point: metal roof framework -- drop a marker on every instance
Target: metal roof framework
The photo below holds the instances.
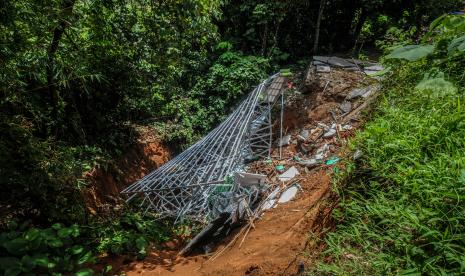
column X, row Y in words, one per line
column 187, row 185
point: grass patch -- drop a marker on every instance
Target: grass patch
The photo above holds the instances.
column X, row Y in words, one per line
column 402, row 206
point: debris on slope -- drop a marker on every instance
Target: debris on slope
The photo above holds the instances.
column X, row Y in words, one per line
column 319, row 116
column 313, row 141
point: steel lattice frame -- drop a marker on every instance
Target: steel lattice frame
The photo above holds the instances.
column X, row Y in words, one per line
column 183, row 186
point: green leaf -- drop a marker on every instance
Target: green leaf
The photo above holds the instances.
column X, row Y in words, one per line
column 85, row 272
column 41, row 260
column 28, row 263
column 457, row 44
column 85, row 258
column 12, row 225
column 57, row 226
column 54, row 242
column 32, row 234
column 411, row 52
column 141, row 244
column 65, row 232
column 17, row 246
column 8, row 262
column 75, row 250
column 13, row 271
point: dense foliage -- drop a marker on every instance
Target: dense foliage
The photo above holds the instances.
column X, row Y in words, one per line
column 402, row 208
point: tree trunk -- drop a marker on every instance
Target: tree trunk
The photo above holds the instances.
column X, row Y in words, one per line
column 358, row 28
column 66, row 11
column 318, row 23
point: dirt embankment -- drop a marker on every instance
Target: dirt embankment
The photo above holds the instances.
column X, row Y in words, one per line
column 283, row 239
column 106, row 183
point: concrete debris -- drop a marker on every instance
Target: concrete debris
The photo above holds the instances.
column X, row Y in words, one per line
column 304, row 134
column 323, row 126
column 322, row 152
column 323, row 69
column 316, row 62
column 285, row 141
column 356, row 93
column 248, row 179
column 269, row 204
column 335, row 61
column 289, row 174
column 271, row 199
column 330, row 133
column 347, row 127
column 374, row 68
column 310, row 163
column 346, row 106
column 289, row 193
column 364, row 92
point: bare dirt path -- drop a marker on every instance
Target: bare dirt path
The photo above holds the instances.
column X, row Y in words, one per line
column 274, row 247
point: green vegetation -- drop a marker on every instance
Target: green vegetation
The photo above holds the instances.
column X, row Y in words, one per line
column 78, row 76
column 401, row 209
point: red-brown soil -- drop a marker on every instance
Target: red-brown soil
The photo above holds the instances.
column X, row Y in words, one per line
column 105, row 184
column 284, row 237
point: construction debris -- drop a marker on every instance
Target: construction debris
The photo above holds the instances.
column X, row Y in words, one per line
column 289, row 193
column 285, row 141
column 234, row 174
column 289, row 174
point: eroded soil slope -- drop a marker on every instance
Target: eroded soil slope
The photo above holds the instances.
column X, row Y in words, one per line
column 280, row 241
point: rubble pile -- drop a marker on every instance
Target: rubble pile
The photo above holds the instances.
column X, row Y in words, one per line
column 319, row 116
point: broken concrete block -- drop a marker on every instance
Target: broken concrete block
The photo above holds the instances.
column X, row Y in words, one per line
column 289, row 174
column 374, row 68
column 346, row 106
column 323, row 69
column 304, row 134
column 309, row 163
column 289, row 194
column 356, row 93
column 330, row 133
column 334, row 61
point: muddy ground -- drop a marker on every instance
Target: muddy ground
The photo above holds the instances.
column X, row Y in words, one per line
column 284, row 238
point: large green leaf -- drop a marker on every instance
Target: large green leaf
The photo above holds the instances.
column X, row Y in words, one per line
column 457, row 44
column 9, row 262
column 17, row 246
column 85, row 272
column 411, row 52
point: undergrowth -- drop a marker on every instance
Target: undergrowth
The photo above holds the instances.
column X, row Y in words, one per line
column 402, row 209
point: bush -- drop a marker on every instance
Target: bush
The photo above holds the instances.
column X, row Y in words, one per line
column 54, row 250
column 401, row 211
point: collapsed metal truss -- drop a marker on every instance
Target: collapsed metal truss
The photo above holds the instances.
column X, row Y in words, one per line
column 189, row 185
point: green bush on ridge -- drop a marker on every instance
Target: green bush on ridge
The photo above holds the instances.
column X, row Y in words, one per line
column 402, row 207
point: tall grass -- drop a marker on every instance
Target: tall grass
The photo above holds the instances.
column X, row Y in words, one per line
column 402, row 207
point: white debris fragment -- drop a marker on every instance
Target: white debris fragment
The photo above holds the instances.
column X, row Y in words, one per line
column 323, row 69
column 322, row 152
column 346, row 106
column 286, row 140
column 330, row 133
column 374, row 68
column 310, row 163
column 288, row 194
column 304, row 134
column 347, row 127
column 268, row 204
column 289, row 174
